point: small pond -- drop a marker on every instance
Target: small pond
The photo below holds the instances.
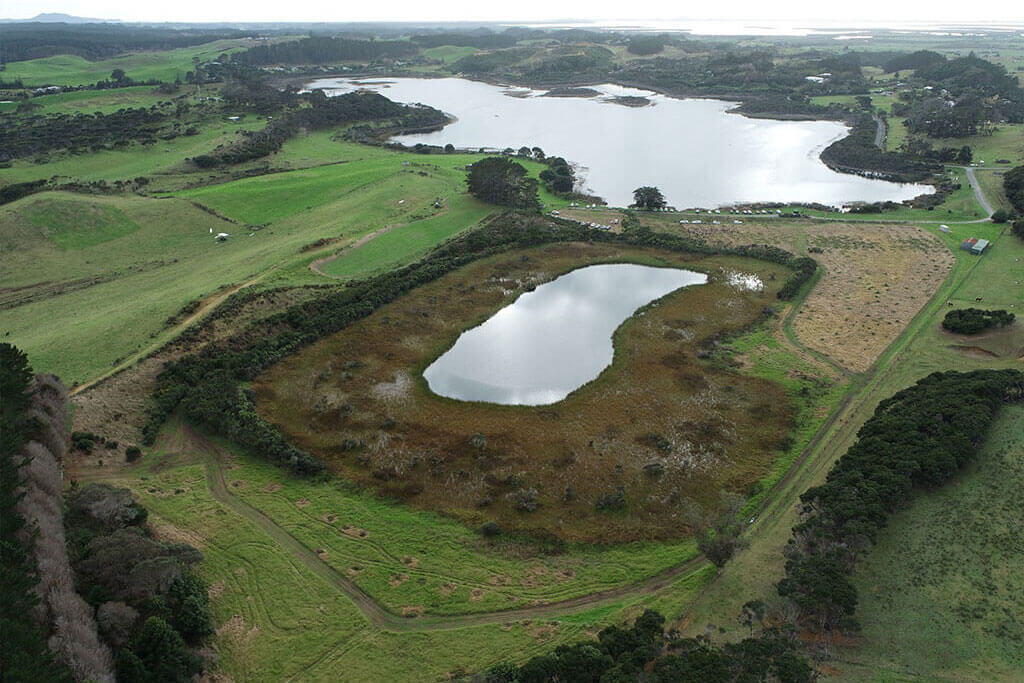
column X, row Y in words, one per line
column 553, row 340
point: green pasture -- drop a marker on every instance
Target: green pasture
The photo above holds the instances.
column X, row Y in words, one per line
column 277, row 620
column 135, row 261
column 941, row 594
column 166, row 65
column 449, row 53
column 105, row 101
column 413, row 557
column 162, row 162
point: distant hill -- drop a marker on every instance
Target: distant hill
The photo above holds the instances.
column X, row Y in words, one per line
column 58, row 18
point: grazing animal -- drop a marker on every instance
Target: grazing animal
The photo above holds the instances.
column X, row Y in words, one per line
column 978, row 299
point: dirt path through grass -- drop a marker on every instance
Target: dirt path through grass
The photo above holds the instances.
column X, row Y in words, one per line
column 208, row 305
column 194, row 444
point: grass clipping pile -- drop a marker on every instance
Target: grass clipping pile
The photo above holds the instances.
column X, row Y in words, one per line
column 621, row 458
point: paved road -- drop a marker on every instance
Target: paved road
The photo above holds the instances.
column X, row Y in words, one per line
column 880, row 133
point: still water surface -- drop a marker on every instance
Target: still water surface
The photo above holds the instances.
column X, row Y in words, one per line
column 553, row 340
column 693, row 150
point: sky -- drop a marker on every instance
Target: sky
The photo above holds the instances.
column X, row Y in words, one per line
column 862, row 12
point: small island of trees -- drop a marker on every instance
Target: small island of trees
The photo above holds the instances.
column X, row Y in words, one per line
column 975, row 320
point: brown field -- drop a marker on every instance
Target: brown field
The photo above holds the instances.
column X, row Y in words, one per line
column 876, row 278
column 357, row 400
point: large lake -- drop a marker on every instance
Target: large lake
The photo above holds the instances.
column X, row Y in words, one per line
column 693, row 150
column 553, row 340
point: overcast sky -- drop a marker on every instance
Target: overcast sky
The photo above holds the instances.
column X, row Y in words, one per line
column 871, row 12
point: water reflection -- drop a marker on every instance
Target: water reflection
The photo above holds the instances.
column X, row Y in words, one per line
column 553, row 340
column 695, row 152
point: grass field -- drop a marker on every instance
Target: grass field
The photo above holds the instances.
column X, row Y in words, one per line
column 277, row 620
column 137, row 260
column 449, row 53
column 105, row 101
column 941, row 594
column 167, row 65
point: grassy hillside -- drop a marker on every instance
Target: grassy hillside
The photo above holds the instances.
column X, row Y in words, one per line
column 166, row 65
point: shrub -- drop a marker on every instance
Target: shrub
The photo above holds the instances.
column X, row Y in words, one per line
column 490, row 529
column 1000, row 216
column 132, row 453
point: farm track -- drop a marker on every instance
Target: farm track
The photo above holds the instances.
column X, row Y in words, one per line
column 387, row 620
column 978, row 194
column 207, row 306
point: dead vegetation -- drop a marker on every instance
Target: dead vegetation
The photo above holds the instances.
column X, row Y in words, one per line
column 876, row 277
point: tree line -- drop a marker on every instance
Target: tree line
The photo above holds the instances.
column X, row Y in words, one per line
column 83, row 580
column 920, row 437
column 646, row 652
column 324, row 50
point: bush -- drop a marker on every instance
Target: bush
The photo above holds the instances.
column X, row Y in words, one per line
column 974, row 320
column 490, row 529
column 1000, row 216
column 132, row 453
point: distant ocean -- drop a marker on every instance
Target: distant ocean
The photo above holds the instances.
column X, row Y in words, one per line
column 840, row 30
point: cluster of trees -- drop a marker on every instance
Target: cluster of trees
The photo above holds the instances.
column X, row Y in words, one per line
column 324, row 50
column 149, row 605
column 501, row 181
column 645, row 652
column 915, row 60
column 23, row 651
column 25, row 136
column 974, row 320
column 646, row 44
column 920, row 437
column 957, row 97
column 558, row 177
column 1013, row 184
column 207, row 385
column 325, row 112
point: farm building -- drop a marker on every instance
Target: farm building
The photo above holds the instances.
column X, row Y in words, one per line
column 974, row 245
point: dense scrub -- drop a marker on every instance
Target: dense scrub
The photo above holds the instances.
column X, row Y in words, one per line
column 646, row 652
column 974, row 320
column 207, row 388
column 324, row 50
column 920, row 437
column 857, row 153
column 25, row 136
